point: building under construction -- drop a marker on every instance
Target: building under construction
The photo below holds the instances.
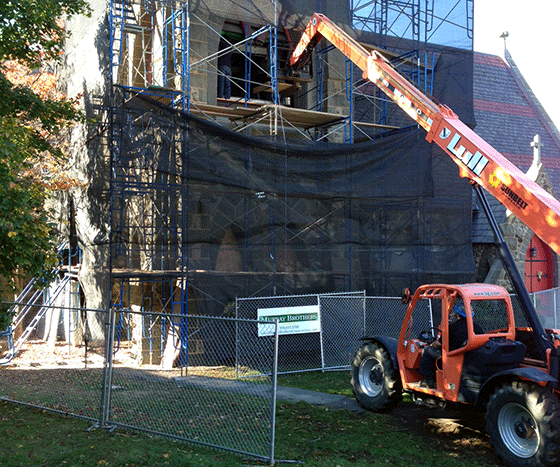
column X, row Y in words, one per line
column 290, row 181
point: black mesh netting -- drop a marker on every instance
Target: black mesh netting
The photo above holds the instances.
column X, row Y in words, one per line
column 240, row 216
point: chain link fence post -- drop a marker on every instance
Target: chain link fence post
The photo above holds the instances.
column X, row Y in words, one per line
column 556, row 308
column 321, row 343
column 274, row 382
column 108, row 368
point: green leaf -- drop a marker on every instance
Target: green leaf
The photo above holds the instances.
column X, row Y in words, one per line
column 30, row 32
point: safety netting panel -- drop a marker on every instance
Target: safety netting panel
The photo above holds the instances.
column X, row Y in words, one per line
column 241, row 216
column 445, row 22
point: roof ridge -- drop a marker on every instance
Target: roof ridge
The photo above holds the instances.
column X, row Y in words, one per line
column 534, row 102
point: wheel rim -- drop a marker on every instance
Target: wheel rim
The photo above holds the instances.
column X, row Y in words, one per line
column 371, row 376
column 518, row 430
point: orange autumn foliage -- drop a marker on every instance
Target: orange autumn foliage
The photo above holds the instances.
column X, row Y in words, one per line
column 48, row 171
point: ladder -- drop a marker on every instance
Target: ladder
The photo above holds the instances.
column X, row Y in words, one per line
column 32, row 301
column 122, row 20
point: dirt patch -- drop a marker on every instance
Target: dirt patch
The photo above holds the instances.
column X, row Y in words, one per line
column 459, row 429
column 38, row 354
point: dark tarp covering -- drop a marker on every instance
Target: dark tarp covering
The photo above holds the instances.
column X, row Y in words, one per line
column 453, row 83
column 240, row 216
column 324, row 171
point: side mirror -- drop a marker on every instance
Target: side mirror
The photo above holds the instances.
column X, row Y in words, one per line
column 406, row 296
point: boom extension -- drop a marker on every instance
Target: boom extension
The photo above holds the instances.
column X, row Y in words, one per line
column 374, row 66
column 477, row 160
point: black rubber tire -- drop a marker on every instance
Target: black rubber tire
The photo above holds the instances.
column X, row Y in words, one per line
column 376, row 382
column 523, row 423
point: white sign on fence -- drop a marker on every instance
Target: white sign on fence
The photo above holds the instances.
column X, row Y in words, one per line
column 291, row 320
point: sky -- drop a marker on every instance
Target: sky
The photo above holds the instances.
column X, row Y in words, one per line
column 533, row 42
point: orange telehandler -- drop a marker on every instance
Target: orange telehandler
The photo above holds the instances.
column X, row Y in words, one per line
column 512, row 372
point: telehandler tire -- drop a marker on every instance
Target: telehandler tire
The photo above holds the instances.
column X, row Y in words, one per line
column 376, row 382
column 523, row 423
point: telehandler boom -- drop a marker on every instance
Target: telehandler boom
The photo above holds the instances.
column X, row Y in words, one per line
column 513, row 372
column 477, row 160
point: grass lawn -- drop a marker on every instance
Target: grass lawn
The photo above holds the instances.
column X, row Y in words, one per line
column 330, row 382
column 316, row 436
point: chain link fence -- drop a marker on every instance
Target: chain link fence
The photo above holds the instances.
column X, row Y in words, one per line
column 547, row 303
column 60, row 376
column 167, row 374
column 206, row 380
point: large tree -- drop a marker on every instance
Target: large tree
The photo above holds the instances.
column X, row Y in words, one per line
column 31, row 119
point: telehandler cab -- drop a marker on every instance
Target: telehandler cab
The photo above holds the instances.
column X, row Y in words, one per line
column 493, row 370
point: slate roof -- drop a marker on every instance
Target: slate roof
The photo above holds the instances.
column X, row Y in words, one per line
column 508, row 116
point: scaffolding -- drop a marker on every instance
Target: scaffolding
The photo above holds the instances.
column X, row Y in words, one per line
column 195, row 221
column 152, row 48
column 411, row 34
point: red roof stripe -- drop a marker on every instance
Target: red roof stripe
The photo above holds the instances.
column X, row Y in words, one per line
column 492, row 60
column 520, row 160
column 500, row 107
column 523, row 161
column 551, row 162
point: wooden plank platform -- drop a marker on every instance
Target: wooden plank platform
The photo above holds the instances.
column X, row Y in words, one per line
column 255, row 110
column 284, row 89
